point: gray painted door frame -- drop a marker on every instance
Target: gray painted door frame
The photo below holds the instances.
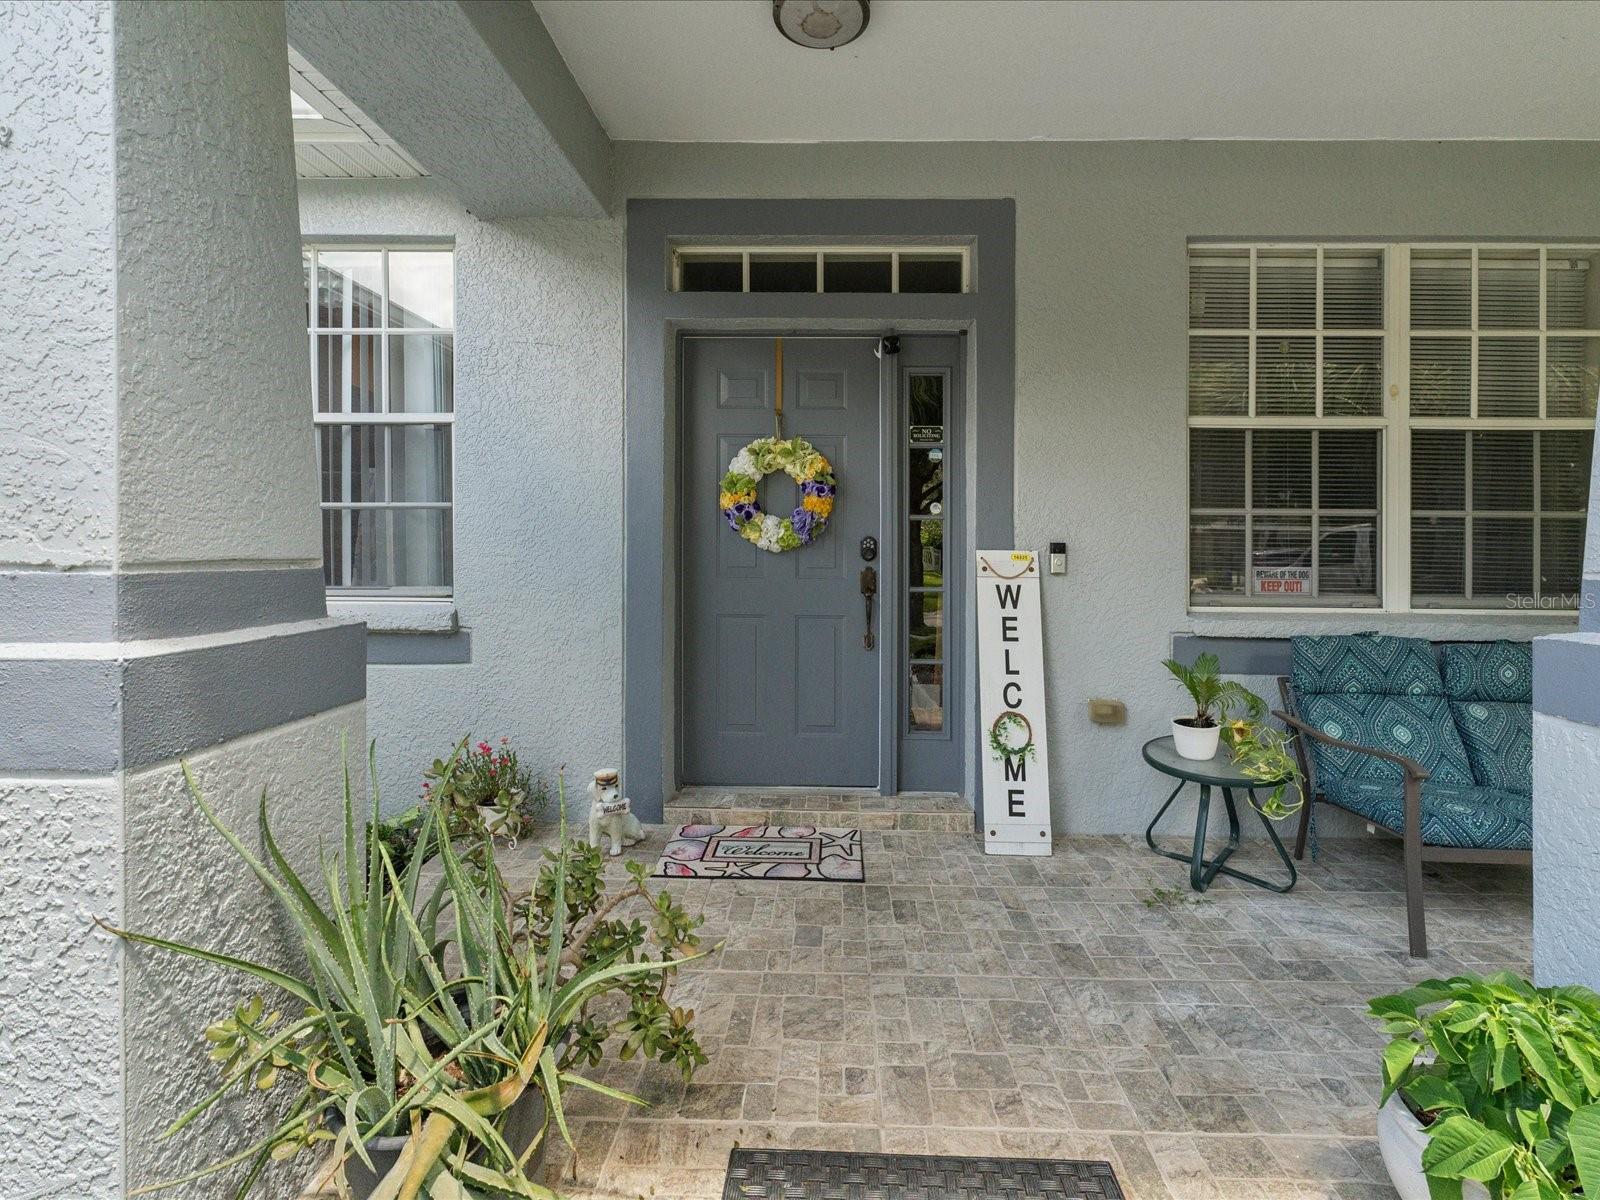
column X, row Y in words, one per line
column 887, row 621
column 651, row 484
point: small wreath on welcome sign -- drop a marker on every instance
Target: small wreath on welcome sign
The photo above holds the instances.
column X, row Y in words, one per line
column 796, row 458
column 1003, row 736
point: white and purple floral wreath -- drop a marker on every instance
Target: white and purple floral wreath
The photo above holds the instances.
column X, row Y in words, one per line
column 798, row 459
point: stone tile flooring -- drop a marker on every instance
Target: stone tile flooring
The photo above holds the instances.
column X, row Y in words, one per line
column 1062, row 1007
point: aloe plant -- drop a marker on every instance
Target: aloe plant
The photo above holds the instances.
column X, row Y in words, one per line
column 423, row 1014
column 1506, row 1077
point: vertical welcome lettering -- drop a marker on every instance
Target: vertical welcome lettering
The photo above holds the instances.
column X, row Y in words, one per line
column 1011, row 692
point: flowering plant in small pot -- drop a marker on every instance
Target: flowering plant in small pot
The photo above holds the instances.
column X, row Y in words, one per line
column 483, row 787
column 1214, row 697
column 1491, row 1088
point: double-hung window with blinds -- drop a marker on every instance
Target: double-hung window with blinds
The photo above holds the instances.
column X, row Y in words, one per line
column 1390, row 426
column 381, row 323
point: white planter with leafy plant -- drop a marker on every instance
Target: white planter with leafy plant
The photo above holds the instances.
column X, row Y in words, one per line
column 1197, row 736
column 1491, row 1088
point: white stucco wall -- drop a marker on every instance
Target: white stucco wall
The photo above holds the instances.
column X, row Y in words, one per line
column 1566, row 848
column 538, row 522
column 216, row 463
column 57, row 489
column 60, row 1096
column 184, row 882
column 1100, row 431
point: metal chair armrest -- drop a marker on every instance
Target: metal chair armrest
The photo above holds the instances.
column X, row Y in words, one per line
column 1412, row 768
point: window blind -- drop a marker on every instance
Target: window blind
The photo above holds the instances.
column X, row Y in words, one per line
column 1499, row 477
column 1293, row 415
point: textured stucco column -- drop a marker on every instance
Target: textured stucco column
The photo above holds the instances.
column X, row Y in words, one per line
column 1566, row 784
column 160, row 587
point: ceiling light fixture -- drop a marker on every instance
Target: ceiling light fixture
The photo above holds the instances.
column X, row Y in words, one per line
column 821, row 24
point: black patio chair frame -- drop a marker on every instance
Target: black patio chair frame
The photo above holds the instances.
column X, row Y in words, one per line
column 1416, row 850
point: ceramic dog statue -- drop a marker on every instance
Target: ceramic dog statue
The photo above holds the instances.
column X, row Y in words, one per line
column 612, row 813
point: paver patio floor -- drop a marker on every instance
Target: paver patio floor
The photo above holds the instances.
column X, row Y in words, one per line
column 963, row 1004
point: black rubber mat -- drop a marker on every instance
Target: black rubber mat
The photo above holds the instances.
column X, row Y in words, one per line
column 833, row 1175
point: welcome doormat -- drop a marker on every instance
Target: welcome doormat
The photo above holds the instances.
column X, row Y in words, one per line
column 830, row 1174
column 763, row 852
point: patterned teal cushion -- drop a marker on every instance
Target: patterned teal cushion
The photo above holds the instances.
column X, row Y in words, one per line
column 1499, row 740
column 1453, row 814
column 1418, row 727
column 1488, row 671
column 1367, row 663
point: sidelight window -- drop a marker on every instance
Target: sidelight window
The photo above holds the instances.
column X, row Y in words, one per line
column 381, row 327
column 926, row 401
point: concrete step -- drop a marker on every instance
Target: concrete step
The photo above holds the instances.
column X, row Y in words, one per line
column 938, row 812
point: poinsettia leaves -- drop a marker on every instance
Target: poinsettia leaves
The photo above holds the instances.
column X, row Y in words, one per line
column 1461, row 1148
column 1535, row 1045
column 1535, row 1189
column 1399, row 1006
column 1398, row 1056
column 1583, row 1059
column 1434, row 1093
column 1533, row 1123
column 1583, row 1133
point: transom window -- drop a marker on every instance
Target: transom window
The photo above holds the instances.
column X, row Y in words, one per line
column 881, row 269
column 1391, row 426
column 381, row 326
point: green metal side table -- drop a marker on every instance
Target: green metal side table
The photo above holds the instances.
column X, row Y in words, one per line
column 1218, row 772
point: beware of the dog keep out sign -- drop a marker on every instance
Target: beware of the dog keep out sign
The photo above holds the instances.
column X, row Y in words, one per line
column 1016, row 767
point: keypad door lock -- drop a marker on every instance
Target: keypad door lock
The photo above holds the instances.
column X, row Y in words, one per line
column 869, row 548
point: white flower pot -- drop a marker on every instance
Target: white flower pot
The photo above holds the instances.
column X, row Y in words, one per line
column 1401, row 1138
column 1196, row 743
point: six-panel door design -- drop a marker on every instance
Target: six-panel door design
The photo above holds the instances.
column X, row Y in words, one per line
column 779, row 687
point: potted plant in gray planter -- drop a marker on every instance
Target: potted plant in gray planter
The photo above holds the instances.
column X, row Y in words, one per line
column 1197, row 736
column 1491, row 1087
column 440, row 1024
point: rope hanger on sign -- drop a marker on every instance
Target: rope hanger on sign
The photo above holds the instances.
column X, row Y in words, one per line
column 990, row 567
column 777, row 406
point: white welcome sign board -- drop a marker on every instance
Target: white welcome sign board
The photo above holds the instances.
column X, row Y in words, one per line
column 1016, row 785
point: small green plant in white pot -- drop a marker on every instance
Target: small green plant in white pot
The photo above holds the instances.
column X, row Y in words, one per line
column 1214, row 698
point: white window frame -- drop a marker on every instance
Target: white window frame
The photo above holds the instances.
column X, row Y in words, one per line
column 384, row 418
column 821, row 254
column 1396, row 423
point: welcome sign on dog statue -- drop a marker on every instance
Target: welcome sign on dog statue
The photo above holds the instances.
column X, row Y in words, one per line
column 1016, row 767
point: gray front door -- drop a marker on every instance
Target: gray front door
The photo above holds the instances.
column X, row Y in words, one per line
column 779, row 688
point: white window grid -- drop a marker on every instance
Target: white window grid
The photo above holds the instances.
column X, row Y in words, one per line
column 382, row 418
column 821, row 254
column 1396, row 422
column 1318, row 517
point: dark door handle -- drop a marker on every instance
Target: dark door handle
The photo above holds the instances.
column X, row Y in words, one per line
column 869, row 591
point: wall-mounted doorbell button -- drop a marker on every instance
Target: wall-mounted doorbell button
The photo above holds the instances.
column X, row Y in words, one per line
column 1058, row 558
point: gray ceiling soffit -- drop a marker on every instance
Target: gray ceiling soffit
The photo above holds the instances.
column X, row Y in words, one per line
column 476, row 93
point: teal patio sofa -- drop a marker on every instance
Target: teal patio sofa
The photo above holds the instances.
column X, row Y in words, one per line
column 1433, row 745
